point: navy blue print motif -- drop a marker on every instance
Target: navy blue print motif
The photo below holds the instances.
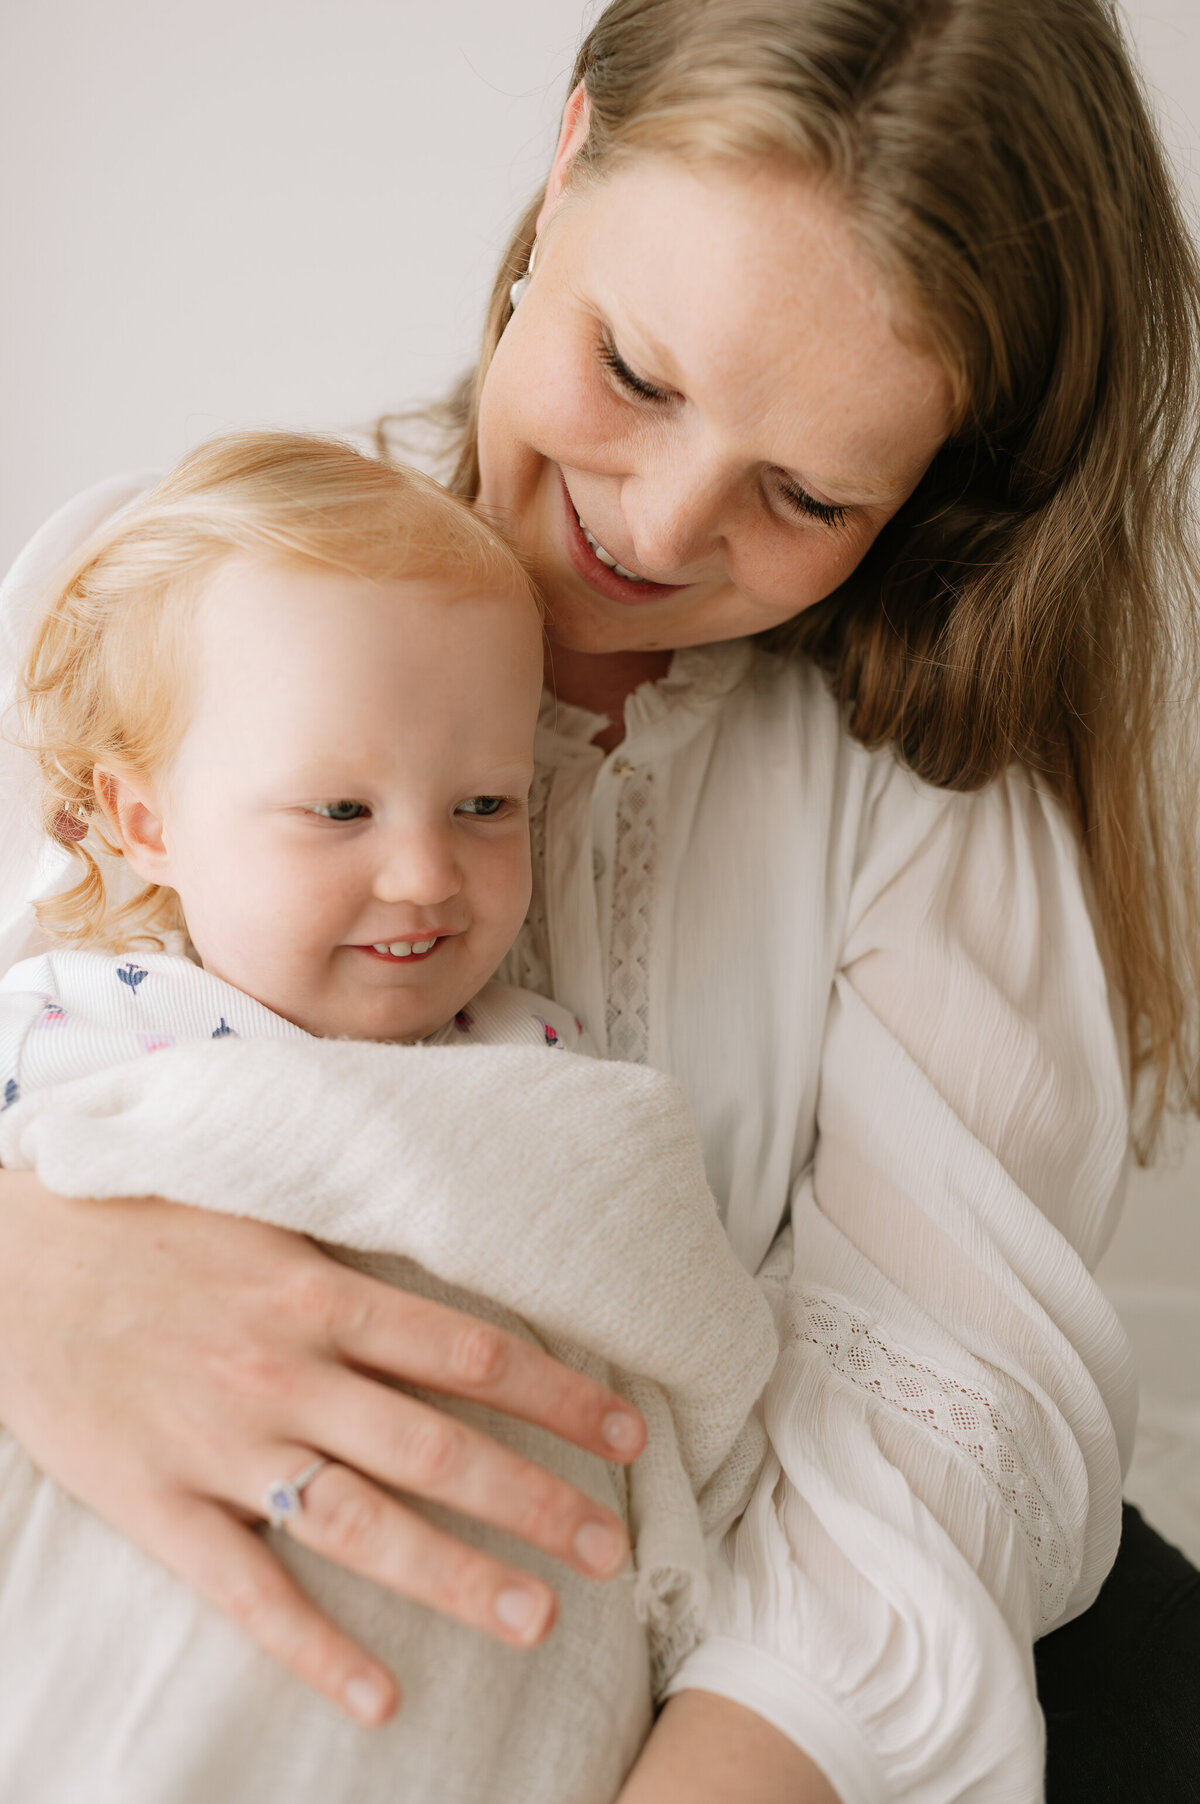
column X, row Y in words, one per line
column 218, row 1033
column 11, row 1092
column 131, row 974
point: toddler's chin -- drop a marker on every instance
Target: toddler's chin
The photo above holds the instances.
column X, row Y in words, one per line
column 398, row 1018
column 394, row 1028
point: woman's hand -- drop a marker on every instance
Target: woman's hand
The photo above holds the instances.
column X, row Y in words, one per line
column 164, row 1365
column 706, row 1749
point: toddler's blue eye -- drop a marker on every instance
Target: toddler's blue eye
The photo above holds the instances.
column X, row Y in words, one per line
column 481, row 805
column 341, row 811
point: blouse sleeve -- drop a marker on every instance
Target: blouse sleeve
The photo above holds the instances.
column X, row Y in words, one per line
column 953, row 1405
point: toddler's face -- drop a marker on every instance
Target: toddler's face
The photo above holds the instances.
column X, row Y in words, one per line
column 346, row 819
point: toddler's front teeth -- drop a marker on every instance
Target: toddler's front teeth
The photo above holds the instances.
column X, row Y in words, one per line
column 606, row 557
column 405, row 948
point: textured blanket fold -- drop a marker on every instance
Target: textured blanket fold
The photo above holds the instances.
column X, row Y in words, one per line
column 568, row 1193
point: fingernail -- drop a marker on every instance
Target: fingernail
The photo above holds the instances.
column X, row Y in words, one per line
column 599, row 1547
column 521, row 1611
column 620, row 1431
column 366, row 1698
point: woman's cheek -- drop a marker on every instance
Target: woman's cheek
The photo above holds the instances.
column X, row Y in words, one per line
column 810, row 564
column 542, row 402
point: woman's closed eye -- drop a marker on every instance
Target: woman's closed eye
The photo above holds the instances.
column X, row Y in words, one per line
column 803, row 503
column 629, row 380
column 795, row 497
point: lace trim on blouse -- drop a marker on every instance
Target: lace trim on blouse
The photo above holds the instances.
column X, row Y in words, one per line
column 628, row 1018
column 963, row 1414
column 528, row 962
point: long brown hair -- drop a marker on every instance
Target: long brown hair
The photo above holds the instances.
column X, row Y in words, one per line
column 1035, row 599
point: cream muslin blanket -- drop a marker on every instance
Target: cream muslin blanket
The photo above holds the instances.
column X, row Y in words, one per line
column 561, row 1197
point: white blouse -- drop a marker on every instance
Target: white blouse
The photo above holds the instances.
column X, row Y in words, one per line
column 886, row 1006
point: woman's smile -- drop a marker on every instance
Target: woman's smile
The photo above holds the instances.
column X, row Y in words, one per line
column 597, row 565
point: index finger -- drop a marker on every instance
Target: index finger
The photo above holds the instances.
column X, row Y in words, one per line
column 422, row 1342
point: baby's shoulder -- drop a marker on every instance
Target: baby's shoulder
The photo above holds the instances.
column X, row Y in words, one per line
column 82, row 972
column 502, row 1015
column 160, row 995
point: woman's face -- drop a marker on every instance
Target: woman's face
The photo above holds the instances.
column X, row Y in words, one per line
column 704, row 385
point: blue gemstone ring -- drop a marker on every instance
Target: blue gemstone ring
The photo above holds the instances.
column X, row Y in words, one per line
column 282, row 1498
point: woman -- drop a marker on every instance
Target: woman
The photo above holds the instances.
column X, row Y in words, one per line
column 860, row 339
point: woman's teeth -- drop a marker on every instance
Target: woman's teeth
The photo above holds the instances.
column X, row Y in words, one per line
column 606, row 557
column 406, row 948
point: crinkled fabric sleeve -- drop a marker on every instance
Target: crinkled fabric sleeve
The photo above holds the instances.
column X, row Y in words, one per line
column 953, row 1404
column 32, row 866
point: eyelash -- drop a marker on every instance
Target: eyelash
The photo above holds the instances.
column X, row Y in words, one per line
column 796, row 497
column 629, row 379
column 804, row 503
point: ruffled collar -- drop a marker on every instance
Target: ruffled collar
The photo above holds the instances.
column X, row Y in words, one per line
column 659, row 716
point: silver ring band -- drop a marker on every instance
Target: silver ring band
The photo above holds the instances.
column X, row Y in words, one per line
column 282, row 1499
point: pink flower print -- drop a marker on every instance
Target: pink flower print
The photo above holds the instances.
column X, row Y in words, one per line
column 463, row 1021
column 550, row 1033
column 155, row 1042
column 52, row 1014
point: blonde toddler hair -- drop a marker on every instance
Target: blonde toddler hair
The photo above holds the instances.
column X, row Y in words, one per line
column 106, row 681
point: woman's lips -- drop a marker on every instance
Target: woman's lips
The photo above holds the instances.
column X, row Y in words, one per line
column 597, row 573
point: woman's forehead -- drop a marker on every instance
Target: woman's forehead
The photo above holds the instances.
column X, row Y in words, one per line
column 747, row 288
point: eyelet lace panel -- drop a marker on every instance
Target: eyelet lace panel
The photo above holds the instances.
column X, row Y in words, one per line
column 628, row 1018
column 527, row 964
column 966, row 1416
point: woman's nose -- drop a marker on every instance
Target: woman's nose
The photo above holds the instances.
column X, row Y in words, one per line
column 676, row 511
column 419, row 866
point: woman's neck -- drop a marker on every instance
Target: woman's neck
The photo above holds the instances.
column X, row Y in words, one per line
column 602, row 683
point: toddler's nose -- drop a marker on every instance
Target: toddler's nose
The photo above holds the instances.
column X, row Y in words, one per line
column 421, row 869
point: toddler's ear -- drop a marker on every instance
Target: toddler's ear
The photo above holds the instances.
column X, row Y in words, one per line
column 130, row 807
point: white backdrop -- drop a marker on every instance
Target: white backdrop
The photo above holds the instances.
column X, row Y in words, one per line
column 228, row 212
column 217, row 213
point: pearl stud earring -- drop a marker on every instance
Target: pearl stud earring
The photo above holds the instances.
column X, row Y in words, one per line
column 517, row 289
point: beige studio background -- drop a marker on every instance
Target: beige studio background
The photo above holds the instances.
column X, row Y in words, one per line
column 217, row 213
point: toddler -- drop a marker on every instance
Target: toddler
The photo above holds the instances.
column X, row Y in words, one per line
column 293, row 691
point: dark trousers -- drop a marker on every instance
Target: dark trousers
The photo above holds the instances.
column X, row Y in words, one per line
column 1120, row 1686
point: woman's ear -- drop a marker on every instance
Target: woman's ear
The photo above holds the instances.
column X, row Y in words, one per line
column 576, row 122
column 131, row 808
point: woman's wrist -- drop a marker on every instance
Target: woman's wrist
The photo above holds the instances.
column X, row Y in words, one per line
column 706, row 1749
